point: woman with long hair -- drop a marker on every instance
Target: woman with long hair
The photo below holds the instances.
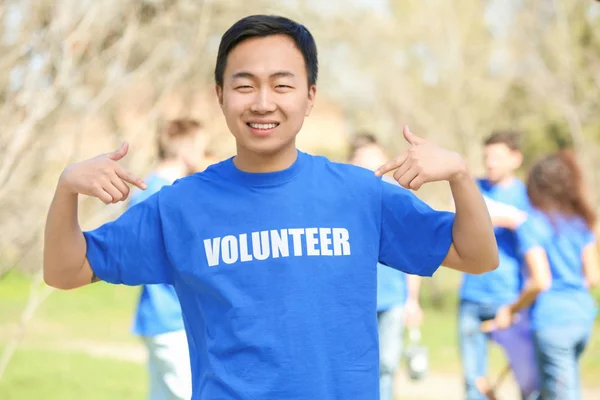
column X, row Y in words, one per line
column 558, row 237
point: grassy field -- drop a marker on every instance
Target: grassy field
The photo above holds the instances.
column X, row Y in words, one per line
column 79, row 346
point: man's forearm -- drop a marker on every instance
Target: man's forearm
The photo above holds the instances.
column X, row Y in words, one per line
column 526, row 298
column 64, row 243
column 413, row 284
column 472, row 233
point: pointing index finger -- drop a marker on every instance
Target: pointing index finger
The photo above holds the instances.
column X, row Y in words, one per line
column 130, row 178
column 392, row 164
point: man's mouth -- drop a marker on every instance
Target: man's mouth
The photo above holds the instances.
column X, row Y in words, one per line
column 263, row 127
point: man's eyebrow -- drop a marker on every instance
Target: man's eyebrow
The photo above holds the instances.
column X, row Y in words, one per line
column 249, row 75
column 282, row 74
column 243, row 74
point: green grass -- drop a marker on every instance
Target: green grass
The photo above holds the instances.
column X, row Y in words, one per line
column 95, row 312
column 52, row 362
column 48, row 366
column 53, row 375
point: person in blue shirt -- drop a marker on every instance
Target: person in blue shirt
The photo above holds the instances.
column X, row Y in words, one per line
column 158, row 321
column 397, row 293
column 481, row 297
column 560, row 246
column 273, row 252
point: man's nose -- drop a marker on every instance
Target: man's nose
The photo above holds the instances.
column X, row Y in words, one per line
column 263, row 102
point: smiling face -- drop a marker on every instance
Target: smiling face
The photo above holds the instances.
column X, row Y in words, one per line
column 265, row 95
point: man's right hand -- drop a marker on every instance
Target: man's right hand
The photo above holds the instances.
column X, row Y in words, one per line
column 512, row 221
column 504, row 215
column 101, row 177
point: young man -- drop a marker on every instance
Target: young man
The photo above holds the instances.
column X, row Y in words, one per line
column 397, row 293
column 482, row 297
column 158, row 320
column 273, row 252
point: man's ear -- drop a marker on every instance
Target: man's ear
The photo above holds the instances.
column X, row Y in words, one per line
column 518, row 159
column 312, row 93
column 219, row 92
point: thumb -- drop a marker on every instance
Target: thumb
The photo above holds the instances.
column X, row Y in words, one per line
column 119, row 153
column 411, row 137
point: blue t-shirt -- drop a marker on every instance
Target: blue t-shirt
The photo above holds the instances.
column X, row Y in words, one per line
column 568, row 300
column 158, row 309
column 502, row 285
column 276, row 272
column 391, row 283
column 391, row 288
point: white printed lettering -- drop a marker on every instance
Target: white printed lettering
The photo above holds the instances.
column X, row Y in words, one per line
column 260, row 245
column 229, row 248
column 244, row 256
column 325, row 241
column 211, row 247
column 311, row 242
column 297, row 239
column 341, row 246
column 279, row 243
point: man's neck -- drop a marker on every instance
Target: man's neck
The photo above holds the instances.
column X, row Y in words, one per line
column 504, row 181
column 248, row 161
column 171, row 170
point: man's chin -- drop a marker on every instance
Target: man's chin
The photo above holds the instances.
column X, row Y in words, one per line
column 268, row 147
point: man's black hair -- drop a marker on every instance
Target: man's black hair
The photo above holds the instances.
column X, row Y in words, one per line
column 263, row 26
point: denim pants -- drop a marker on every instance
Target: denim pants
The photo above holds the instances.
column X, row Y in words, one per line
column 474, row 343
column 558, row 350
column 391, row 327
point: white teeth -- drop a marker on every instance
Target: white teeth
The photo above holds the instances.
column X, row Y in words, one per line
column 263, row 126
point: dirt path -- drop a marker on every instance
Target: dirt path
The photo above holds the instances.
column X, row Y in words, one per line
column 132, row 353
column 449, row 387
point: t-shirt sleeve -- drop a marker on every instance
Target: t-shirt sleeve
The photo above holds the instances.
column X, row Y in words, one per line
column 131, row 249
column 414, row 237
column 530, row 234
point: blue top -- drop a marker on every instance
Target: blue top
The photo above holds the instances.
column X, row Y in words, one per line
column 392, row 288
column 501, row 286
column 158, row 309
column 276, row 272
column 568, row 300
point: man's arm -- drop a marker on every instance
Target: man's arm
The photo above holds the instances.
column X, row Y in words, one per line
column 504, row 215
column 474, row 249
column 412, row 307
column 65, row 262
column 591, row 268
column 539, row 279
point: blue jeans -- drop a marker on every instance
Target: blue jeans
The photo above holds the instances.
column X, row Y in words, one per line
column 391, row 328
column 558, row 350
column 473, row 343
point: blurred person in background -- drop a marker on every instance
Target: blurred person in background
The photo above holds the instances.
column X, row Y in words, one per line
column 397, row 293
column 273, row 251
column 558, row 239
column 158, row 320
column 482, row 296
